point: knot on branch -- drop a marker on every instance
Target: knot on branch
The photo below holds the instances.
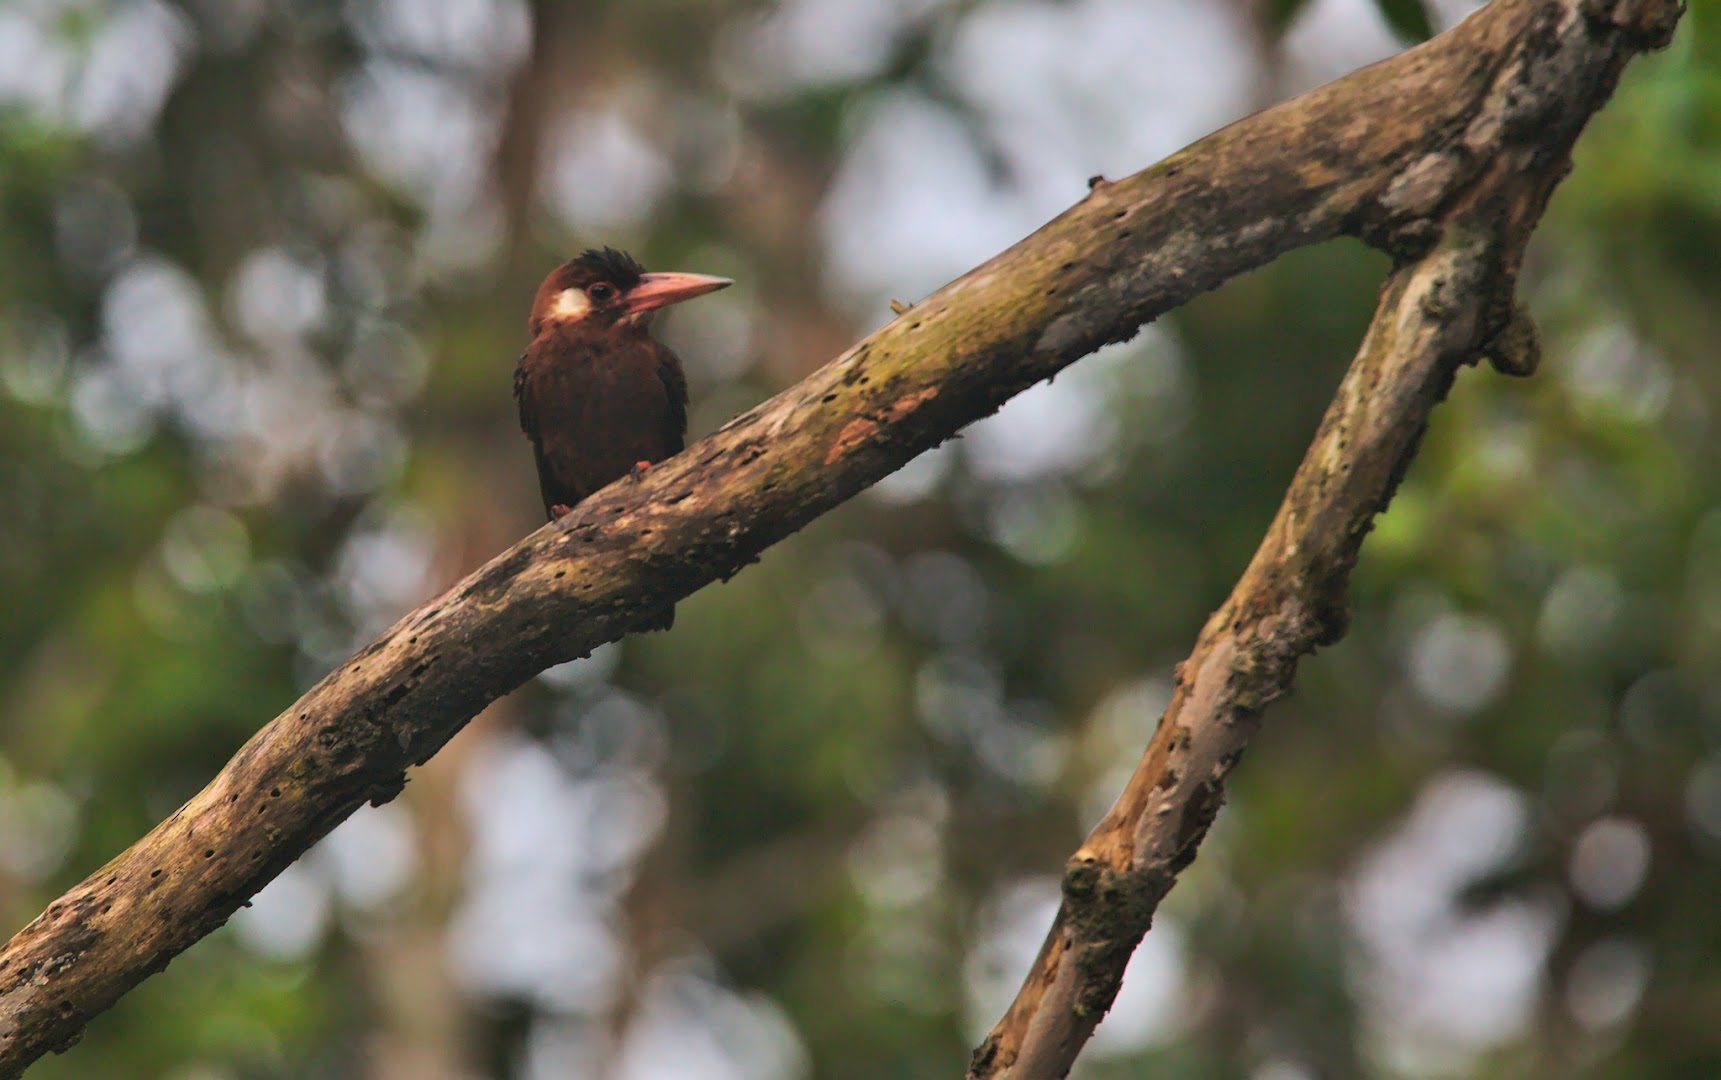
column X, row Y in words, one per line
column 1107, row 911
column 1516, row 349
column 1645, row 24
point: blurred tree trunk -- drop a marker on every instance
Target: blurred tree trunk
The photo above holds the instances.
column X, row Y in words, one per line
column 424, row 1028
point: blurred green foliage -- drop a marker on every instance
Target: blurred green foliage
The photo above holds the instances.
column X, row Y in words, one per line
column 263, row 271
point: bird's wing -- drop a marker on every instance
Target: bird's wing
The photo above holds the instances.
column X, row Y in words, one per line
column 675, row 386
column 547, row 486
column 522, row 398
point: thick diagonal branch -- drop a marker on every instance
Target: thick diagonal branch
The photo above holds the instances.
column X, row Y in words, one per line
column 1437, row 311
column 1378, row 154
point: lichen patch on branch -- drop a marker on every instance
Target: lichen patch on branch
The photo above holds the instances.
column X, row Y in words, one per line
column 861, row 429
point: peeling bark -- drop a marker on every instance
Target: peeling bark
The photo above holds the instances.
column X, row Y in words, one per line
column 1443, row 156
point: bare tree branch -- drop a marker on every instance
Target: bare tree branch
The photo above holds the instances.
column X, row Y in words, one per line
column 1449, row 306
column 1393, row 153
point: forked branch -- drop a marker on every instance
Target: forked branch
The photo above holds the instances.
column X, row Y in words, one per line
column 1450, row 305
column 1418, row 154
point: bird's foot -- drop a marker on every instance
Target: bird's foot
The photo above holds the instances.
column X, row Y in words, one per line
column 560, row 510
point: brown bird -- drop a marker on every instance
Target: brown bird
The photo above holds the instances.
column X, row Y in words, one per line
column 599, row 396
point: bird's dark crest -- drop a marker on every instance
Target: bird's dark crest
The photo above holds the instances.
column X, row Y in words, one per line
column 616, row 267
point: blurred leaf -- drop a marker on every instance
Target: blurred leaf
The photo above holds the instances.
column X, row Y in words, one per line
column 1282, row 13
column 1409, row 19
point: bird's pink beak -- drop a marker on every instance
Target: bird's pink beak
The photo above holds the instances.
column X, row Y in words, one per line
column 659, row 290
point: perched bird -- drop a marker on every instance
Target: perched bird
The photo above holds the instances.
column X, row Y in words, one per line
column 599, row 397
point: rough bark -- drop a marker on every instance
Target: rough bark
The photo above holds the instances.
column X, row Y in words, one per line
column 1442, row 155
column 1447, row 306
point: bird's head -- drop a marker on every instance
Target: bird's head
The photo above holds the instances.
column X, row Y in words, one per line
column 607, row 290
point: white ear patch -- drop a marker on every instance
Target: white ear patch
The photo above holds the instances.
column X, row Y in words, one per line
column 570, row 304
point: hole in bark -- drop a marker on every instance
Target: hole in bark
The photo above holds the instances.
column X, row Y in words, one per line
column 1067, row 267
column 274, row 793
column 155, row 873
column 914, row 326
column 107, row 908
column 112, row 879
column 827, row 399
column 209, row 853
column 1123, row 234
column 1121, row 214
column 413, row 640
column 561, row 574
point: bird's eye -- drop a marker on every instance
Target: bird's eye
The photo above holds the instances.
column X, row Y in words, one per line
column 601, row 292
